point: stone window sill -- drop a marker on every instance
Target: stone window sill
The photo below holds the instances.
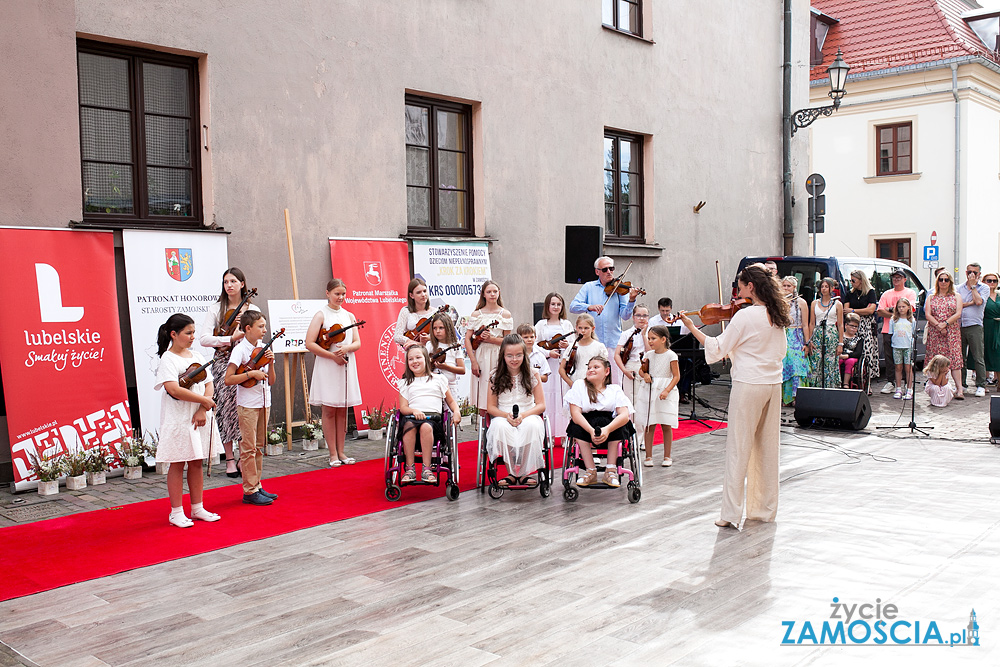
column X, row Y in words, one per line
column 893, row 178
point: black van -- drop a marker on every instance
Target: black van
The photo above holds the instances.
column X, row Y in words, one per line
column 811, row 270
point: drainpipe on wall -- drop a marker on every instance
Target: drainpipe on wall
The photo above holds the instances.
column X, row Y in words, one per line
column 788, row 230
column 958, row 161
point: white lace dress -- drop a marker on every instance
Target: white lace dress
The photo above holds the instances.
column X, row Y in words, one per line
column 521, row 447
column 649, row 407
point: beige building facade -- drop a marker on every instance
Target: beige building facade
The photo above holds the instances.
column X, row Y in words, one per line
column 303, row 105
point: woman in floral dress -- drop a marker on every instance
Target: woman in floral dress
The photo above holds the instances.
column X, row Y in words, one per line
column 944, row 327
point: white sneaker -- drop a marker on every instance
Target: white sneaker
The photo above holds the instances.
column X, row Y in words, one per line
column 980, row 392
column 887, row 389
column 898, row 394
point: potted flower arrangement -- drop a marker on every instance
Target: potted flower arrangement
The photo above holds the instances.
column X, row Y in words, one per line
column 312, row 436
column 48, row 469
column 152, row 439
column 276, row 437
column 98, row 462
column 377, row 419
column 467, row 410
column 132, row 452
column 75, row 465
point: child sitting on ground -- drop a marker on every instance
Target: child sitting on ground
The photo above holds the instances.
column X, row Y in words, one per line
column 937, row 387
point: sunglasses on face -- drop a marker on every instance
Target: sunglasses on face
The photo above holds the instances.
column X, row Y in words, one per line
column 991, row 280
column 944, row 279
column 606, row 269
column 972, row 273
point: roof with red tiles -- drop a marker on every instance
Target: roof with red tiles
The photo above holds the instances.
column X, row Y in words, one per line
column 884, row 34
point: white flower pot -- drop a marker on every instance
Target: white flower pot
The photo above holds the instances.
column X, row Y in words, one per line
column 133, row 472
column 162, row 467
column 95, row 478
column 467, row 421
column 76, row 483
column 274, row 450
column 48, row 488
column 310, row 445
column 322, row 443
column 375, row 434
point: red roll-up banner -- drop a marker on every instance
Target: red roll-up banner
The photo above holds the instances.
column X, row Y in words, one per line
column 60, row 346
column 376, row 272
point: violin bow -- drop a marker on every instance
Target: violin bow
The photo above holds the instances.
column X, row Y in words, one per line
column 616, row 282
column 718, row 279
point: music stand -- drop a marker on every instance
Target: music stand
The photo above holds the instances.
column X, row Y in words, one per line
column 692, row 354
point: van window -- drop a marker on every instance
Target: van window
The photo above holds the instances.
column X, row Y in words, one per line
column 807, row 273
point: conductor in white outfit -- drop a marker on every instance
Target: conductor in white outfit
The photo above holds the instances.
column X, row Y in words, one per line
column 755, row 342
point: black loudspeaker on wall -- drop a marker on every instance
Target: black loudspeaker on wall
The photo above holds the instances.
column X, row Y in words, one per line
column 583, row 247
column 995, row 419
column 849, row 407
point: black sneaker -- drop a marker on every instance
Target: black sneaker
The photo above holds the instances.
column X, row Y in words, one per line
column 256, row 498
column 272, row 496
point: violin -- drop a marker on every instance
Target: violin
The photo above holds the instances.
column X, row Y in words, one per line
column 553, row 342
column 257, row 361
column 335, row 334
column 713, row 313
column 629, row 344
column 476, row 342
column 423, row 326
column 229, row 321
column 193, row 375
column 622, row 287
column 644, row 364
column 440, row 354
column 571, row 358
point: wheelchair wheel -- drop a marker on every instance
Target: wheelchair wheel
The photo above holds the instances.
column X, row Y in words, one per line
column 634, row 493
column 570, row 494
column 496, row 492
column 544, row 489
column 392, row 493
column 451, row 492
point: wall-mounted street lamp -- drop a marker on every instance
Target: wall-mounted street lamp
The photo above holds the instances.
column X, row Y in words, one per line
column 838, row 78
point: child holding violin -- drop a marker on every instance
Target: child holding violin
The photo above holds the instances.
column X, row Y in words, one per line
column 488, row 324
column 657, row 400
column 628, row 353
column 221, row 330
column 413, row 326
column 553, row 333
column 335, row 386
column 584, row 347
column 445, row 351
column 187, row 430
column 253, row 404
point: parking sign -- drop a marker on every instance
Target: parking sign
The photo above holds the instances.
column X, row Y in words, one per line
column 930, row 253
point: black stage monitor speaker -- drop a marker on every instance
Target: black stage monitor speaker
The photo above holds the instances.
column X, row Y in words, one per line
column 583, row 247
column 538, row 311
column 994, row 418
column 849, row 407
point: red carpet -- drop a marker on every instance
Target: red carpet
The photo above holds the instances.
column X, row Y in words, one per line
column 48, row 554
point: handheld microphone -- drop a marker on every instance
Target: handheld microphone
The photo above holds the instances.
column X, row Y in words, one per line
column 597, row 432
column 514, row 412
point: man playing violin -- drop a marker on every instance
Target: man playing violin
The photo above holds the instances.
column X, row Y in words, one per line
column 591, row 298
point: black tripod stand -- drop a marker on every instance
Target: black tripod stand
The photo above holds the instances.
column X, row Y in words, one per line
column 913, row 403
column 692, row 355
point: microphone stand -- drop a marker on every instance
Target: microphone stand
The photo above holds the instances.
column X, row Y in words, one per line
column 913, row 403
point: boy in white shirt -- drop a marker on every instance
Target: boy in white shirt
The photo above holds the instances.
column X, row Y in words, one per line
column 253, row 404
column 536, row 357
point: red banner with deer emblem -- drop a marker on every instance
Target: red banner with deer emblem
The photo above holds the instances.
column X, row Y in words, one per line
column 60, row 348
column 376, row 272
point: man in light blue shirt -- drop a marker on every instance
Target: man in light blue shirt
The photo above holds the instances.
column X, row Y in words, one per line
column 973, row 294
column 591, row 298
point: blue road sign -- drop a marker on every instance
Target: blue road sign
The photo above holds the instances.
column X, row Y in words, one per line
column 930, row 253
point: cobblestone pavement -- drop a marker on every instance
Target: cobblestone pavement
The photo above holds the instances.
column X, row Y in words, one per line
column 966, row 421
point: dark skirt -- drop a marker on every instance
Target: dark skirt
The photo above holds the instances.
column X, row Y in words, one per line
column 436, row 422
column 600, row 418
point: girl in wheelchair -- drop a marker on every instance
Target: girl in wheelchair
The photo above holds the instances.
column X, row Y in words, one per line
column 421, row 395
column 854, row 350
column 595, row 403
column 515, row 403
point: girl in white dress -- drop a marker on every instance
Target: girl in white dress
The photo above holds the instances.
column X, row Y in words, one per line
column 518, row 439
column 657, row 397
column 596, row 403
column 421, row 395
column 234, row 291
column 418, row 306
column 554, row 324
column 629, row 366
column 496, row 323
column 187, row 431
column 335, row 384
column 451, row 365
column 583, row 347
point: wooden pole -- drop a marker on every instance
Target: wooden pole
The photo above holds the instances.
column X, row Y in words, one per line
column 297, row 358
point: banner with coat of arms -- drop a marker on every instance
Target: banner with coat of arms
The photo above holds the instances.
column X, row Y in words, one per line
column 167, row 273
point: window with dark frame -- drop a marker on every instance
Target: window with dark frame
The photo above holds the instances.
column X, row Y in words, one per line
column 895, row 149
column 623, row 187
column 438, row 166
column 894, row 249
column 138, row 132
column 624, row 15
